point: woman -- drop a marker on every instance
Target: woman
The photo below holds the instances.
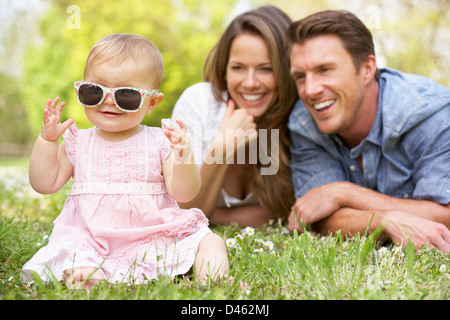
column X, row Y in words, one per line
column 247, row 88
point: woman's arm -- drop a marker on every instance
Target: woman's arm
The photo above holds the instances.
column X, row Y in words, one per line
column 212, row 177
column 216, row 163
column 251, row 215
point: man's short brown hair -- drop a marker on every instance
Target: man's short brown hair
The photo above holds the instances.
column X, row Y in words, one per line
column 355, row 36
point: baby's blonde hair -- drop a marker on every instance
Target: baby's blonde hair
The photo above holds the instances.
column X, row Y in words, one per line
column 121, row 46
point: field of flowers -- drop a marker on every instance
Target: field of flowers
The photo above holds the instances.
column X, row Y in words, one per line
column 267, row 263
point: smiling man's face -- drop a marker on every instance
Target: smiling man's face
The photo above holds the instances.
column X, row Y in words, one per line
column 329, row 84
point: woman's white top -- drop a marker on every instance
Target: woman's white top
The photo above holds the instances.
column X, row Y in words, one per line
column 202, row 114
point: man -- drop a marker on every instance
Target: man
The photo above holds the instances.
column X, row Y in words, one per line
column 371, row 147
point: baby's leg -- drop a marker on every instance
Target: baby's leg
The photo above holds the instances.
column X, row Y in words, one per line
column 86, row 277
column 211, row 259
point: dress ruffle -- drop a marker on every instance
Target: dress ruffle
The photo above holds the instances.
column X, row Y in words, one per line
column 70, row 142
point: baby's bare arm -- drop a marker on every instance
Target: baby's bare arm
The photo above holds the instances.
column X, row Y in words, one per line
column 49, row 167
column 181, row 174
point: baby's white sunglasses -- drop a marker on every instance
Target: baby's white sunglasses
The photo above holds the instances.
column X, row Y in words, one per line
column 127, row 99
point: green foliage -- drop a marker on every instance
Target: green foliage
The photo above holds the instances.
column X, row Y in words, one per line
column 45, row 66
column 184, row 32
column 13, row 119
column 410, row 36
column 416, row 44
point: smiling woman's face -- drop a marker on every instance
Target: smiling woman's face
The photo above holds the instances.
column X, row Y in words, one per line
column 250, row 78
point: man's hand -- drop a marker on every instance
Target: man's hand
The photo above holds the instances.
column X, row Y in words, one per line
column 401, row 226
column 315, row 205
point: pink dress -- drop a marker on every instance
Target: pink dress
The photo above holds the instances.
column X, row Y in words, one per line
column 118, row 216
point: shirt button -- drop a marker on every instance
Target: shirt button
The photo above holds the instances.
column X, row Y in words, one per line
column 352, row 168
column 406, row 196
column 118, row 177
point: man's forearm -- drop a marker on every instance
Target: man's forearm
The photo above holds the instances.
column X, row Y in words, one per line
column 351, row 221
column 363, row 209
column 357, row 197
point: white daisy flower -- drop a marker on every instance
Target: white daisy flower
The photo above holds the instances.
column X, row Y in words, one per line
column 268, row 245
column 231, row 243
column 249, row 231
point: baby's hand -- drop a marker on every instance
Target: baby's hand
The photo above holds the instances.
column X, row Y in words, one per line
column 179, row 141
column 53, row 128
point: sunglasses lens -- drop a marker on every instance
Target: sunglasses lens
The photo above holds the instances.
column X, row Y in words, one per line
column 128, row 99
column 89, row 94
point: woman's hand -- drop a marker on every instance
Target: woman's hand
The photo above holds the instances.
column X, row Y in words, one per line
column 236, row 130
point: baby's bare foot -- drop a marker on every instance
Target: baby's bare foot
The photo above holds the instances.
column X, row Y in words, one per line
column 85, row 278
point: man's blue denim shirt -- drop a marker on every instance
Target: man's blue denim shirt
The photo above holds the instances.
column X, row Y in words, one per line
column 405, row 155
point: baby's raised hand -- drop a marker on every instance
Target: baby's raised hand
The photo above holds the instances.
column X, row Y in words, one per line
column 179, row 141
column 53, row 128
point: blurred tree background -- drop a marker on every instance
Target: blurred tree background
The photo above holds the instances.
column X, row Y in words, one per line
column 44, row 44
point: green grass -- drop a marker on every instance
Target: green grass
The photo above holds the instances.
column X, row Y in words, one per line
column 272, row 263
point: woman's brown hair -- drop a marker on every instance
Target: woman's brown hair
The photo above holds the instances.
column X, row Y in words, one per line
column 274, row 192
